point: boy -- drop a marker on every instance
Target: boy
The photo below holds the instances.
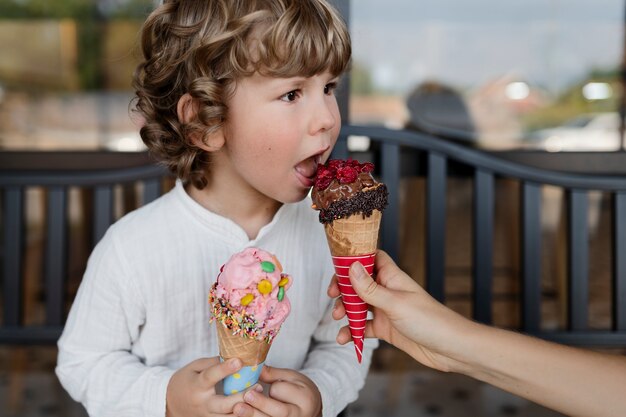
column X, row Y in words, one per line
column 237, row 97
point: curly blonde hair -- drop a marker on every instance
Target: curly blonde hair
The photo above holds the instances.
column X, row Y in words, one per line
column 202, row 47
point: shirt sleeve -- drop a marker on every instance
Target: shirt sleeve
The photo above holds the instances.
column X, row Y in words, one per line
column 334, row 368
column 95, row 363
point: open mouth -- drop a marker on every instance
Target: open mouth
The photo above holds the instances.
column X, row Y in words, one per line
column 307, row 170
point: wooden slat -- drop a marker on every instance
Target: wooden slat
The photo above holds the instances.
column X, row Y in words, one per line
column 483, row 245
column 578, row 265
column 619, row 261
column 151, row 190
column 436, row 225
column 391, row 219
column 30, row 335
column 531, row 257
column 56, row 254
column 103, row 211
column 12, row 243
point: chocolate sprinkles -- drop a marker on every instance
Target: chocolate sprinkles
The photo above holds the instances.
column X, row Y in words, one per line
column 364, row 202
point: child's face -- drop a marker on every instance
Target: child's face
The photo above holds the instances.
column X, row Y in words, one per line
column 278, row 130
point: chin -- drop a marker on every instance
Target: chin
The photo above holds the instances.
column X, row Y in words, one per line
column 295, row 197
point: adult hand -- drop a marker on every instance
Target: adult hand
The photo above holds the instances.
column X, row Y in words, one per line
column 191, row 390
column 291, row 394
column 405, row 315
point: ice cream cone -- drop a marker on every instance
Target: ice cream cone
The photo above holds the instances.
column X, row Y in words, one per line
column 353, row 239
column 350, row 203
column 252, row 353
column 353, row 235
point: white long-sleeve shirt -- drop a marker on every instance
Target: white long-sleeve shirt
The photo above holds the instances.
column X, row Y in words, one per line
column 141, row 311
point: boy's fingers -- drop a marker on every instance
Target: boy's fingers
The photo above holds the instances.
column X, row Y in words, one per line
column 246, row 410
column 271, row 374
column 267, row 405
column 222, row 404
column 201, row 364
column 213, row 374
column 285, row 392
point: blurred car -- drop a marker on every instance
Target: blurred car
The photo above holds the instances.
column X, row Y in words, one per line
column 587, row 132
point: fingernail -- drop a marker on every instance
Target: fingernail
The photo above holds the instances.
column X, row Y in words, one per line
column 258, row 388
column 249, row 396
column 234, row 364
column 357, row 270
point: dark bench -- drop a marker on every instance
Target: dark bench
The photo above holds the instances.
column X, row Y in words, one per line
column 97, row 174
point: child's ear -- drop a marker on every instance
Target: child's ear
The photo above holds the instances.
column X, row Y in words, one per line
column 187, row 111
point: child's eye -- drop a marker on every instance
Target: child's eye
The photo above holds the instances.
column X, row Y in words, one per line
column 290, row 96
column 330, row 88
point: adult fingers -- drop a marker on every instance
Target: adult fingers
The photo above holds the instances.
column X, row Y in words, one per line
column 333, row 288
column 391, row 276
column 383, row 260
column 339, row 310
column 213, row 374
column 344, row 336
column 368, row 289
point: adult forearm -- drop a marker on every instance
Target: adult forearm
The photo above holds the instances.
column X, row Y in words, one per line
column 573, row 381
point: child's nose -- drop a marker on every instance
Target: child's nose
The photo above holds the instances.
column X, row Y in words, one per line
column 324, row 116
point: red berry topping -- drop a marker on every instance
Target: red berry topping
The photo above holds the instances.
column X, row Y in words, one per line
column 347, row 174
column 324, row 177
column 367, row 167
column 344, row 171
column 335, row 163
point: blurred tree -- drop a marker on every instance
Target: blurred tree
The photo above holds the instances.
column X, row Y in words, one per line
column 572, row 103
column 91, row 17
column 361, row 80
column 11, row 9
column 44, row 8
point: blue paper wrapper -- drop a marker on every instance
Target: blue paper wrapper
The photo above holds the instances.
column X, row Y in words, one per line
column 243, row 379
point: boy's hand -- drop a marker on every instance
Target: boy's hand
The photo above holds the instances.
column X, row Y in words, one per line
column 291, row 395
column 191, row 390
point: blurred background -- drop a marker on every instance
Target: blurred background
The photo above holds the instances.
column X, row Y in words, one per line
column 537, row 75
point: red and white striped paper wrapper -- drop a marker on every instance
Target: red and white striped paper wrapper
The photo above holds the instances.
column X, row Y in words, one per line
column 356, row 309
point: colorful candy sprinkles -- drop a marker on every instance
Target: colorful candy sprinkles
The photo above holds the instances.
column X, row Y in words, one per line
column 239, row 322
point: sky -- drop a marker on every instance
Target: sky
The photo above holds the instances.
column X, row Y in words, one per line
column 466, row 43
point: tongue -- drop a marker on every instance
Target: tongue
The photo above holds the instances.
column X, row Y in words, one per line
column 307, row 168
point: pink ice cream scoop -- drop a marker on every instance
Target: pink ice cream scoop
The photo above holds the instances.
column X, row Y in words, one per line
column 253, row 284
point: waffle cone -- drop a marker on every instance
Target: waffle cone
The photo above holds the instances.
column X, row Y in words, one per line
column 353, row 235
column 251, row 351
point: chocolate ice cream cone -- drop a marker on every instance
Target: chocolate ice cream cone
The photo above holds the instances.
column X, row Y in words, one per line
column 350, row 202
